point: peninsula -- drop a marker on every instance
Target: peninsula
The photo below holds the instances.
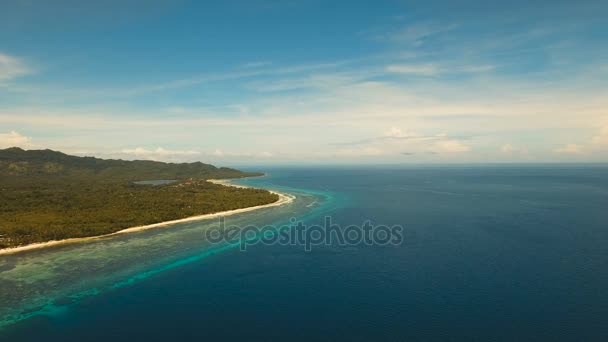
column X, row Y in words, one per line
column 51, row 196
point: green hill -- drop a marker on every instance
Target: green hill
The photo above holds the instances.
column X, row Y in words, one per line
column 18, row 162
column 48, row 195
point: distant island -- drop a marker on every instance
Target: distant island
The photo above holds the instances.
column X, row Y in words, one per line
column 48, row 195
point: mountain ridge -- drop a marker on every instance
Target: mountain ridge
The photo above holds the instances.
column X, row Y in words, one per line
column 15, row 161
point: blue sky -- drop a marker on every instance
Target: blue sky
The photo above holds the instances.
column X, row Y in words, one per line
column 303, row 81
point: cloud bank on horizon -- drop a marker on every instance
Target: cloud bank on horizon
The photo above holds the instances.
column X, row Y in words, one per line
column 266, row 82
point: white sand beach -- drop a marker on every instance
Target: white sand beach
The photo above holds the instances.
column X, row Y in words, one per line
column 283, row 199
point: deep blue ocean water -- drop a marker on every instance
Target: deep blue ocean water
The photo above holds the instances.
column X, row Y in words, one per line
column 491, row 253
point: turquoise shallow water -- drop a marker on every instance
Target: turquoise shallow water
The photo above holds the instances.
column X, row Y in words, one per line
column 47, row 282
column 501, row 253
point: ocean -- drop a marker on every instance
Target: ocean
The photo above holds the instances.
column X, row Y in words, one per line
column 487, row 253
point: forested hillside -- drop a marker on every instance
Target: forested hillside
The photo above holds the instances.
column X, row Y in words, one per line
column 17, row 162
column 48, row 195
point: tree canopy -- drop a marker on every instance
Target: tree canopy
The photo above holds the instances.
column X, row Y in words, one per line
column 48, row 195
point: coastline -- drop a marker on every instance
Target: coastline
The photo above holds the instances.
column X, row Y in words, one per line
column 283, row 199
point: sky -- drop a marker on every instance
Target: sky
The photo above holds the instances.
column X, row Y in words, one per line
column 306, row 81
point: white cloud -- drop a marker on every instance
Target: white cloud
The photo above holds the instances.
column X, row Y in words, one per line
column 570, row 149
column 257, row 64
column 602, row 138
column 12, row 67
column 324, row 81
column 158, row 153
column 397, row 132
column 416, row 34
column 360, row 152
column 414, row 69
column 507, row 148
column 14, row 139
column 489, row 107
column 242, row 73
column 510, row 149
column 597, row 143
column 478, row 68
column 450, row 146
column 217, row 153
column 393, row 132
column 409, row 54
column 437, row 69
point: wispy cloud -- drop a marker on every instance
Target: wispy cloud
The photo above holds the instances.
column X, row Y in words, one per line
column 257, row 64
column 478, row 68
column 158, row 153
column 416, row 34
column 221, row 154
column 437, row 69
column 571, row 149
column 511, row 149
column 395, row 141
column 14, row 139
column 450, row 146
column 329, row 80
column 232, row 75
column 12, row 68
column 598, row 143
column 429, row 90
column 396, row 134
column 601, row 139
column 414, row 69
column 164, row 154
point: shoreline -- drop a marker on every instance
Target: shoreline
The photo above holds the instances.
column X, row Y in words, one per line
column 283, row 199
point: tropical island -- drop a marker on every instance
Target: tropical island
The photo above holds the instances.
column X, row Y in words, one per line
column 47, row 195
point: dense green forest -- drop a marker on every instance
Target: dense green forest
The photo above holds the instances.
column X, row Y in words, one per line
column 48, row 195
